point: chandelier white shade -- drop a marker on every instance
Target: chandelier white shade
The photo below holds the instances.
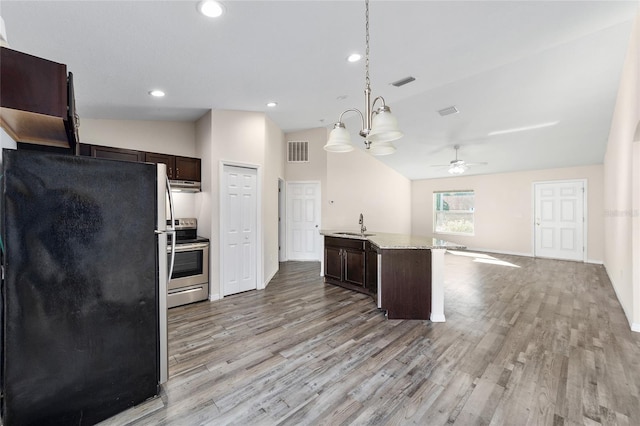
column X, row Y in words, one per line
column 339, row 140
column 384, row 127
column 381, row 148
column 379, row 127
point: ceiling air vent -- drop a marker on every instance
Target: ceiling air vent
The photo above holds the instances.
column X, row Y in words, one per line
column 298, row 151
column 403, row 81
column 448, row 111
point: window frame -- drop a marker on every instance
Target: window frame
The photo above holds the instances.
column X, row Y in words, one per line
column 436, row 211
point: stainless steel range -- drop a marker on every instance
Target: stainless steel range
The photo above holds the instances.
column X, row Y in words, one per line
column 190, row 277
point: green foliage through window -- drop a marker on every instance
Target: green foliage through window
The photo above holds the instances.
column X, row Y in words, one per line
column 453, row 212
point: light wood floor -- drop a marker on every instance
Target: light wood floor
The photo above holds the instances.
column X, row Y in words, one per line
column 528, row 341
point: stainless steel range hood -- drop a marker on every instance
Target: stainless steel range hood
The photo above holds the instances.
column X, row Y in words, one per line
column 184, row 186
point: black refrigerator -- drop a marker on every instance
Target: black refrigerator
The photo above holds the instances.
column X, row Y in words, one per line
column 83, row 332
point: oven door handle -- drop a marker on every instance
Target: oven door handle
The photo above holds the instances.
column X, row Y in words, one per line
column 171, row 231
column 189, row 247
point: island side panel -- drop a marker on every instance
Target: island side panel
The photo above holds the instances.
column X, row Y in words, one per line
column 437, row 285
column 405, row 283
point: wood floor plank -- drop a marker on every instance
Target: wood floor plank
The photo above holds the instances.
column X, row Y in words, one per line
column 541, row 342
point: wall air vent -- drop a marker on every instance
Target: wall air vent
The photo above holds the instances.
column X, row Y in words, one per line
column 298, row 151
column 448, row 111
column 403, row 81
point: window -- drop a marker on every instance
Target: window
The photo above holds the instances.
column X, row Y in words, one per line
column 453, row 212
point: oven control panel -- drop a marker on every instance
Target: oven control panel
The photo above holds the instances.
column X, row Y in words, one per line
column 184, row 223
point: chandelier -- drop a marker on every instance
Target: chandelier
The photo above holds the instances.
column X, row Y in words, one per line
column 379, row 127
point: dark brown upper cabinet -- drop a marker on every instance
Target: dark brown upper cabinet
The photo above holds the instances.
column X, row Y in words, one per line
column 117, row 153
column 166, row 159
column 187, row 168
column 178, row 168
column 37, row 104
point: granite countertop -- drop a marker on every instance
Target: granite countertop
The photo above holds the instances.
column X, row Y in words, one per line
column 384, row 240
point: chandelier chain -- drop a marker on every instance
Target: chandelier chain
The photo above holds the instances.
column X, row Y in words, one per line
column 366, row 54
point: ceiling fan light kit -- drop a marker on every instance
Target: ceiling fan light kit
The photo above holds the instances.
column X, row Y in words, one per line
column 379, row 127
column 210, row 8
column 458, row 167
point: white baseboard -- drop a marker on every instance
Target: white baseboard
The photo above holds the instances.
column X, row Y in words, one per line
column 595, row 262
column 437, row 318
column 214, row 297
column 633, row 325
column 266, row 283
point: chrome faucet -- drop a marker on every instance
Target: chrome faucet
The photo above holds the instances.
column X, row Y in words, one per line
column 361, row 222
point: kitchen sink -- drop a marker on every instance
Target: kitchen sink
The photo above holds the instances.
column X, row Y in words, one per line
column 355, row 234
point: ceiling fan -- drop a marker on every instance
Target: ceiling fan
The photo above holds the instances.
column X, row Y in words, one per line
column 456, row 166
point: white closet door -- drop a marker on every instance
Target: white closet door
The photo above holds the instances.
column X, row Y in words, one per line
column 239, row 230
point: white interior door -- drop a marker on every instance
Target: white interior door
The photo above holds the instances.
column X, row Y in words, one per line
column 559, row 220
column 303, row 220
column 239, row 230
column 282, row 232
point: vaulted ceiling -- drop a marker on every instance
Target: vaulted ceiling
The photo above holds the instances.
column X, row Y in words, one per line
column 504, row 64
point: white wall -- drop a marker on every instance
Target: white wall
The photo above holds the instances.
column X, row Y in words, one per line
column 6, row 142
column 205, row 202
column 165, row 137
column 246, row 138
column 316, row 168
column 273, row 170
column 622, row 187
column 504, row 208
column 353, row 183
column 358, row 183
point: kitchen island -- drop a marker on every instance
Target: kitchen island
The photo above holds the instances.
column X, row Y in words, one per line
column 405, row 273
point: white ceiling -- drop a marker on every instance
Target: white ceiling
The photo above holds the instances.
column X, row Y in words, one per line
column 503, row 64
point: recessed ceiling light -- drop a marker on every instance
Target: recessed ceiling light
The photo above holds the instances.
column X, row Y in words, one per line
column 354, row 57
column 272, row 104
column 157, row 93
column 522, row 129
column 210, row 8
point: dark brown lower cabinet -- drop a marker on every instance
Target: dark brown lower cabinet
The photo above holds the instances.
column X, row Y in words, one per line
column 333, row 263
column 399, row 278
column 405, row 283
column 345, row 261
column 371, row 268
